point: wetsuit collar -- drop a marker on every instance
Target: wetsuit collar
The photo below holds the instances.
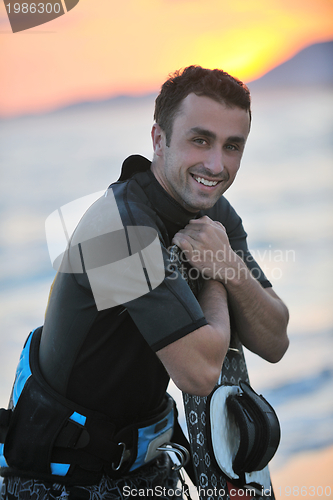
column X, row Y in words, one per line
column 166, row 206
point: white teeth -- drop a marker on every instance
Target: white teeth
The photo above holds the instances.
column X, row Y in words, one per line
column 205, row 182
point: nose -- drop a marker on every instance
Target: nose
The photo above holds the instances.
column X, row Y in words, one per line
column 215, row 162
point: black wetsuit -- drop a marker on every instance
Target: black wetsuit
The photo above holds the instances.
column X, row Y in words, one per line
column 106, row 359
column 103, row 358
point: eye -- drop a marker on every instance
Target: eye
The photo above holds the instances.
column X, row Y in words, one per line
column 232, row 147
column 200, row 141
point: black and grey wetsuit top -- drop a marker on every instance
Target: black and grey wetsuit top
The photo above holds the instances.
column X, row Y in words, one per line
column 101, row 355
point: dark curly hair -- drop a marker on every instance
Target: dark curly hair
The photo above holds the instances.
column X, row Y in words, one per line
column 213, row 83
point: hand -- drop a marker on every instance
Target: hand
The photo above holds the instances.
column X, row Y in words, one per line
column 206, row 246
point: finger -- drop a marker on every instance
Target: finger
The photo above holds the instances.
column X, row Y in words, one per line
column 203, row 234
column 204, row 219
column 204, row 222
column 190, row 232
column 183, row 241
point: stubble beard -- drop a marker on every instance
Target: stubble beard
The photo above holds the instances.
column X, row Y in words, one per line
column 193, row 202
column 186, row 196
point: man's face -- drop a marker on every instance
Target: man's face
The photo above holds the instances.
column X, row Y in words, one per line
column 204, row 154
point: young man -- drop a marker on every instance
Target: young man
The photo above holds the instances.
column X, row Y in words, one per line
column 96, row 374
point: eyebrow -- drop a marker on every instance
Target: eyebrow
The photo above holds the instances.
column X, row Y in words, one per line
column 202, row 131
column 208, row 133
column 237, row 138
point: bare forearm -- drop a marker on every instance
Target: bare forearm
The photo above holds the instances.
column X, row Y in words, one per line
column 213, row 300
column 194, row 361
column 213, row 339
column 261, row 318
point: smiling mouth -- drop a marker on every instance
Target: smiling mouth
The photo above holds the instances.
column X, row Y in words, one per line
column 205, row 182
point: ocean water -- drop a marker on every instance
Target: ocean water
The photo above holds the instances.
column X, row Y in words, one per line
column 283, row 193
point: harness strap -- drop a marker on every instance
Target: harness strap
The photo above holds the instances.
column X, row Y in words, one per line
column 72, row 436
column 179, row 437
column 5, row 416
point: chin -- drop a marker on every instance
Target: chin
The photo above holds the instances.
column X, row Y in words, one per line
column 205, row 202
column 203, row 205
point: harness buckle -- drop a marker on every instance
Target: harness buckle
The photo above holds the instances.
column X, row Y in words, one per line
column 125, row 455
column 180, row 451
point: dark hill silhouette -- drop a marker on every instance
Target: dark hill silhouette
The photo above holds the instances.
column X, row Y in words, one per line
column 311, row 66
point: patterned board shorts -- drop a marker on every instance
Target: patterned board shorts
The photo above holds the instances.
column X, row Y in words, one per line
column 157, row 481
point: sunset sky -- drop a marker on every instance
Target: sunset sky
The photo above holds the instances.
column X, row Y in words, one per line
column 130, row 46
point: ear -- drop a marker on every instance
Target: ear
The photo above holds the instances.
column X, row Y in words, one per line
column 158, row 138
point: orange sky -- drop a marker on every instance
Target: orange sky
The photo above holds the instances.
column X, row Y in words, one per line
column 130, row 46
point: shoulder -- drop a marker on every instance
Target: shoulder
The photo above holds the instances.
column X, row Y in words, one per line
column 132, row 202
